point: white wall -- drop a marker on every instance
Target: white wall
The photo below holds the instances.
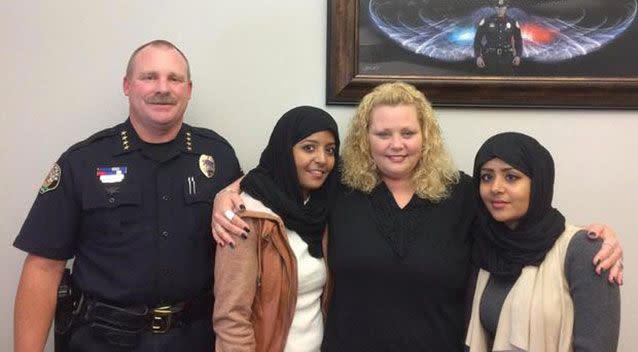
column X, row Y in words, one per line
column 63, row 62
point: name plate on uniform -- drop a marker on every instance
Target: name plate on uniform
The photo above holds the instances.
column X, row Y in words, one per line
column 111, row 174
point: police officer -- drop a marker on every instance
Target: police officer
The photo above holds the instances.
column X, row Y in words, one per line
column 132, row 205
column 498, row 45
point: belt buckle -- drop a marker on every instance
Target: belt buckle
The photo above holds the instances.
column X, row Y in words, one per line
column 161, row 319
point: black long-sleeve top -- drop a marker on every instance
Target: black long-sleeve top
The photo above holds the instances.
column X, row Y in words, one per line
column 408, row 297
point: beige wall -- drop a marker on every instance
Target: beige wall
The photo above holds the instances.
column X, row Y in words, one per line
column 63, row 62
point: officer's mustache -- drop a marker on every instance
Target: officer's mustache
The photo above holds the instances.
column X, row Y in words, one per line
column 161, row 99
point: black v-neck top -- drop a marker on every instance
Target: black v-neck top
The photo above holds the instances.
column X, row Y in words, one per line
column 407, row 297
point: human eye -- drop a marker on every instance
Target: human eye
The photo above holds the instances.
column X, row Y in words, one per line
column 512, row 177
column 408, row 133
column 175, row 78
column 147, row 76
column 382, row 134
column 330, row 150
column 308, row 148
column 485, row 177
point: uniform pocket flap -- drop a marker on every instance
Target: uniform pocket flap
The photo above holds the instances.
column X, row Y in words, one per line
column 199, row 190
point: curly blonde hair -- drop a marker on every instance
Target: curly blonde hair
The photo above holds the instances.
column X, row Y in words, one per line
column 434, row 173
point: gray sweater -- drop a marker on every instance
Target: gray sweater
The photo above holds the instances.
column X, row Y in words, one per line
column 596, row 301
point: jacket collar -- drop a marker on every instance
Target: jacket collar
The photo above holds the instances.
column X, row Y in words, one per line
column 130, row 141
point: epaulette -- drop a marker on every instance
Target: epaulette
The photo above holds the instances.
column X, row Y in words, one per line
column 208, row 134
column 93, row 138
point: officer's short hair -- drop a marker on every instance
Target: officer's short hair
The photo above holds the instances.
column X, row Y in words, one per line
column 158, row 43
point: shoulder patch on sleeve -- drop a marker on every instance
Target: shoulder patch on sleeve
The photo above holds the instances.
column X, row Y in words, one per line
column 52, row 180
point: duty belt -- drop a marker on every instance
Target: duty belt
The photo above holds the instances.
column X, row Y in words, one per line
column 162, row 318
column 120, row 325
column 137, row 318
column 498, row 51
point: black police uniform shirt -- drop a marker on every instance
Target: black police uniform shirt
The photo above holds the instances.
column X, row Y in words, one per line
column 135, row 216
column 498, row 36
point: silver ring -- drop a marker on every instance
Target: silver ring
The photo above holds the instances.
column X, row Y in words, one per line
column 229, row 214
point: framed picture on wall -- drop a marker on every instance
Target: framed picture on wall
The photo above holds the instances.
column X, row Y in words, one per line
column 504, row 53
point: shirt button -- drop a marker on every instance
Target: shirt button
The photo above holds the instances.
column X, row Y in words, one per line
column 165, row 197
column 164, row 233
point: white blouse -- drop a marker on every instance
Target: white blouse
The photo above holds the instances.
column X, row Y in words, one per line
column 306, row 331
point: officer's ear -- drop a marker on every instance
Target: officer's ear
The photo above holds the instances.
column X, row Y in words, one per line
column 190, row 89
column 126, row 85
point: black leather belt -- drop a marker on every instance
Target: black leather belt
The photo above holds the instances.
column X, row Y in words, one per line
column 137, row 318
column 123, row 326
column 499, row 51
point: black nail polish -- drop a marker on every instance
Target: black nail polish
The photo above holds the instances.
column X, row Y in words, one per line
column 247, row 229
column 244, row 236
column 242, row 207
column 232, row 246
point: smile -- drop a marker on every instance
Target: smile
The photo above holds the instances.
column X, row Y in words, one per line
column 499, row 204
column 316, row 173
column 161, row 100
column 396, row 158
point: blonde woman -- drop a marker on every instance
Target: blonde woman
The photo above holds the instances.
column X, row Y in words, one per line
column 399, row 246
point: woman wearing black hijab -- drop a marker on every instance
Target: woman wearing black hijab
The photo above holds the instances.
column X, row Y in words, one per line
column 268, row 290
column 535, row 290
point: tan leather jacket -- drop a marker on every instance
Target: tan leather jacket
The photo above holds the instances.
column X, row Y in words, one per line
column 256, row 287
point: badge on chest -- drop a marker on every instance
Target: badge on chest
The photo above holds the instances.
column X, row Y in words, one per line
column 207, row 165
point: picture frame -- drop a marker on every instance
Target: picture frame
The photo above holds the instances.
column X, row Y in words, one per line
column 346, row 83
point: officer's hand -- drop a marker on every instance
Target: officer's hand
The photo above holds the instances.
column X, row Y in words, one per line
column 479, row 62
column 610, row 256
column 516, row 61
column 226, row 224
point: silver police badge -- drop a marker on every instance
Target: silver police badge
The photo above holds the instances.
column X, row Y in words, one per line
column 52, row 180
column 207, row 165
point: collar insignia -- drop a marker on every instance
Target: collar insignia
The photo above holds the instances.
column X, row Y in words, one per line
column 125, row 142
column 189, row 147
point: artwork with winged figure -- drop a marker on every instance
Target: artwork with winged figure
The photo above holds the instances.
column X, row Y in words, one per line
column 537, row 38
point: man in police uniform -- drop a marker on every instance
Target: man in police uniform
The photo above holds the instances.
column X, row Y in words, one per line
column 498, row 45
column 132, row 205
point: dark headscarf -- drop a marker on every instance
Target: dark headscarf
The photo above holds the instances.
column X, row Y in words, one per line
column 274, row 181
column 499, row 250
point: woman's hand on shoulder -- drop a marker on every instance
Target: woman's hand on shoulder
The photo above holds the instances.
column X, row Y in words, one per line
column 226, row 223
column 610, row 256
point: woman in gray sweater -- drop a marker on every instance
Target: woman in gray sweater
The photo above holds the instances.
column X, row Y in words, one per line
column 535, row 289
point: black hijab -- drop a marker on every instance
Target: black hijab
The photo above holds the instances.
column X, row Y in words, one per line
column 499, row 250
column 274, row 181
